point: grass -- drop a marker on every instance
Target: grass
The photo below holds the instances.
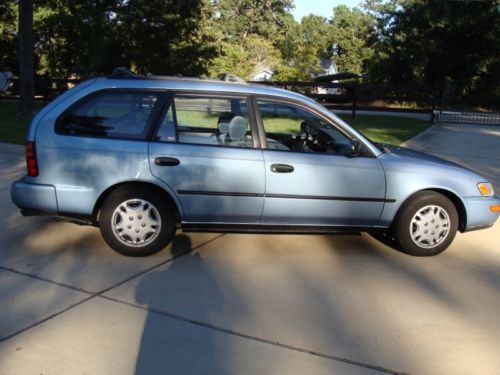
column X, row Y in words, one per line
column 385, row 129
column 13, row 126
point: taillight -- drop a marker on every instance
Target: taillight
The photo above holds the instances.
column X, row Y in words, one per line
column 31, row 163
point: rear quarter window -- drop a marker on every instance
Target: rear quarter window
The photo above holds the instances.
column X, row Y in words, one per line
column 110, row 114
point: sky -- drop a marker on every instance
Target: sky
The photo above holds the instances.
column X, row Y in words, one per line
column 320, row 7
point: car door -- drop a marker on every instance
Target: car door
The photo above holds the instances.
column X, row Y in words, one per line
column 205, row 152
column 311, row 176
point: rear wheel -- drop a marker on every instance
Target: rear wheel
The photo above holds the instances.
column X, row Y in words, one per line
column 136, row 221
column 426, row 225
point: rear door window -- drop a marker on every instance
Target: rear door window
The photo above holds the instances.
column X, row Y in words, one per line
column 208, row 120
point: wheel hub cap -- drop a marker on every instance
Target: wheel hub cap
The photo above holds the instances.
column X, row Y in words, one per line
column 430, row 226
column 136, row 222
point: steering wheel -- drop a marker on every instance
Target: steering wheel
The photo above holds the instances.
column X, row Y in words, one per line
column 302, row 139
column 323, row 141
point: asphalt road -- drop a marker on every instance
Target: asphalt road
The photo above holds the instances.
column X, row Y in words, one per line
column 250, row 304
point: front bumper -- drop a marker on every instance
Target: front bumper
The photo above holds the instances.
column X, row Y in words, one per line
column 478, row 211
column 30, row 197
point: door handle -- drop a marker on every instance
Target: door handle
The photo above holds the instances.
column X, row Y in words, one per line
column 282, row 168
column 166, row 161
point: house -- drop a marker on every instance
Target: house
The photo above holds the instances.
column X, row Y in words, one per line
column 328, row 68
column 264, row 74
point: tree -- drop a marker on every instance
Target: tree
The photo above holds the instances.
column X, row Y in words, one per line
column 253, row 55
column 8, row 36
column 248, row 34
column 435, row 41
column 166, row 37
column 305, row 43
column 26, row 70
column 351, row 31
column 239, row 18
column 158, row 36
column 77, row 35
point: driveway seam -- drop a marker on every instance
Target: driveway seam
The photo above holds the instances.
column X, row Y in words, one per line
column 35, row 277
column 91, row 295
column 18, row 332
column 255, row 338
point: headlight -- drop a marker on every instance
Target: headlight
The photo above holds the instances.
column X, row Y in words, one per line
column 486, row 189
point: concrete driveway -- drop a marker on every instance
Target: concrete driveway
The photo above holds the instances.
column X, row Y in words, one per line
column 248, row 304
column 473, row 146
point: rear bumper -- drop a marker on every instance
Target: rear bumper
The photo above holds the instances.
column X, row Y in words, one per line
column 31, row 197
column 479, row 215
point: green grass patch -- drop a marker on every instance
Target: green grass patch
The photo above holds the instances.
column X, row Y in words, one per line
column 387, row 129
column 13, row 126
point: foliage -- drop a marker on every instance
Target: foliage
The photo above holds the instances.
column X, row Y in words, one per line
column 159, row 36
column 351, row 30
column 166, row 37
column 248, row 33
column 254, row 54
column 239, row 18
column 435, row 41
column 305, row 44
column 450, row 45
column 8, row 35
column 75, row 36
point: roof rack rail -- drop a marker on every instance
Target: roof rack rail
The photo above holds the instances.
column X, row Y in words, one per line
column 229, row 77
column 122, row 72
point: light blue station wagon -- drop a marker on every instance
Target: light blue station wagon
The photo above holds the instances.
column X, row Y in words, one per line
column 141, row 156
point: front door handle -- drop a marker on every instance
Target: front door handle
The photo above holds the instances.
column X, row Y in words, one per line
column 282, row 168
column 163, row 161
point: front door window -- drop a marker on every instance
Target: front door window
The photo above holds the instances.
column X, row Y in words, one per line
column 292, row 128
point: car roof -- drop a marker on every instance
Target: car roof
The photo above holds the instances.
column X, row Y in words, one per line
column 195, row 84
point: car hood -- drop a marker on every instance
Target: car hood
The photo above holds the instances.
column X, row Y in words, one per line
column 407, row 153
column 427, row 171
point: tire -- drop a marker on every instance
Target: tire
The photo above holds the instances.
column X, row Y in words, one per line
column 426, row 224
column 136, row 221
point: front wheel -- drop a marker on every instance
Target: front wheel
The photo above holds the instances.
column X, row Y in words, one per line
column 136, row 221
column 426, row 225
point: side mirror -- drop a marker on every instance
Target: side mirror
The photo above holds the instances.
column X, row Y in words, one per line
column 355, row 147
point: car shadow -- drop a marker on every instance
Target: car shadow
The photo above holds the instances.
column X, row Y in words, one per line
column 169, row 340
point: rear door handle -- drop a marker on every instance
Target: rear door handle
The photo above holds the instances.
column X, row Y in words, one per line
column 164, row 161
column 282, row 168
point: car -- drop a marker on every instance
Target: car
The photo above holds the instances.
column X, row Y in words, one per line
column 143, row 156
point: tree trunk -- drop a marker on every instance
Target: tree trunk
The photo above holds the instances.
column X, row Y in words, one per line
column 26, row 69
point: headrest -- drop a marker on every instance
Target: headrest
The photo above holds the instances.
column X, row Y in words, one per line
column 237, row 128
